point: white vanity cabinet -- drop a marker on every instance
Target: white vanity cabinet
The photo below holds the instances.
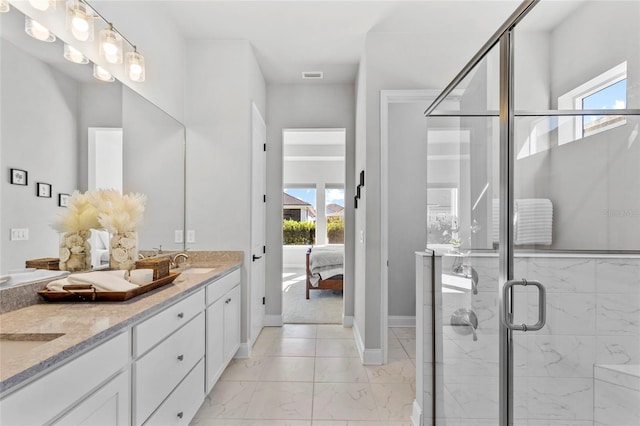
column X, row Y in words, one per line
column 223, row 325
column 80, row 390
column 158, row 372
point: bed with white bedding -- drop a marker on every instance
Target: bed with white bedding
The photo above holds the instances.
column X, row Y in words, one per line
column 325, row 268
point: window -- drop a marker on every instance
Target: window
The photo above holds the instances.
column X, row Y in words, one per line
column 299, row 216
column 613, row 96
column 334, row 211
column 606, row 91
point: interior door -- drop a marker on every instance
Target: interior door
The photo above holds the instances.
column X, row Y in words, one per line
column 258, row 204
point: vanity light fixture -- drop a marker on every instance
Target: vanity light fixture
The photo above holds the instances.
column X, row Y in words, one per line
column 4, row 6
column 72, row 54
column 135, row 66
column 111, row 45
column 43, row 5
column 37, row 30
column 102, row 74
column 80, row 20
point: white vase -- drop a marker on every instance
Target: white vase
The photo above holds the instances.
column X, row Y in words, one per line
column 123, row 250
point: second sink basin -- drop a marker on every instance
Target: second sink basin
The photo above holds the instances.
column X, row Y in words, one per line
column 191, row 270
column 15, row 345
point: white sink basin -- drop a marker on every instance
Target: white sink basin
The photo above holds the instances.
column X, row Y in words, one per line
column 197, row 270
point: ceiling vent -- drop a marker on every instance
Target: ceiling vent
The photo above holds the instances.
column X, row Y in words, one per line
column 312, row 75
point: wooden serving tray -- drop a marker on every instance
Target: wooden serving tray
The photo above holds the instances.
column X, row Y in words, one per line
column 86, row 292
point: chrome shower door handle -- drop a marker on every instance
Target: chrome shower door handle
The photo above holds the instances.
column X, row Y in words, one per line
column 542, row 306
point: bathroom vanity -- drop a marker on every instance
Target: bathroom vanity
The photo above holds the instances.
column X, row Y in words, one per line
column 150, row 360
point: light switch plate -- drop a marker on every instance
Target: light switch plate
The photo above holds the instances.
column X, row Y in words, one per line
column 178, row 236
column 19, row 234
column 191, row 236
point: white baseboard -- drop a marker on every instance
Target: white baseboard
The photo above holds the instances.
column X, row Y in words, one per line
column 367, row 356
column 244, row 350
column 416, row 414
column 273, row 320
column 359, row 341
column 401, row 321
column 373, row 357
column 347, row 321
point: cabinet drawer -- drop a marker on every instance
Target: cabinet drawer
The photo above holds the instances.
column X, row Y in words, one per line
column 151, row 331
column 161, row 369
column 76, row 379
column 183, row 403
column 219, row 287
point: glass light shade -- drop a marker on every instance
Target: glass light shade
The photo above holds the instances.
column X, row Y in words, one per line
column 111, row 46
column 43, row 4
column 135, row 66
column 80, row 20
column 4, row 6
column 37, row 30
column 72, row 54
column 102, row 74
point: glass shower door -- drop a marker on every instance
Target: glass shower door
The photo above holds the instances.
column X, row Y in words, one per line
column 577, row 215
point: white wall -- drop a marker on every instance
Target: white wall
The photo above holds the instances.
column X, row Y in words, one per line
column 298, row 107
column 221, row 85
column 393, row 61
column 42, row 143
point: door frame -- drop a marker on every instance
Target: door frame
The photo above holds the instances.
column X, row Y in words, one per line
column 254, row 304
column 388, row 97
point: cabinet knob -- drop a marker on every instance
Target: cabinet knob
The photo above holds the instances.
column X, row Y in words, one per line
column 180, row 314
column 180, row 357
column 180, row 414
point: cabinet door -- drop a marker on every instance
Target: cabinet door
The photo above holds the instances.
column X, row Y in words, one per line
column 231, row 323
column 215, row 337
column 109, row 405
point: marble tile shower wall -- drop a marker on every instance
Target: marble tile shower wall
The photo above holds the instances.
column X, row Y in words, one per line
column 593, row 317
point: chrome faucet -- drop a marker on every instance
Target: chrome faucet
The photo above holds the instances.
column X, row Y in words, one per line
column 468, row 319
column 174, row 260
column 467, row 271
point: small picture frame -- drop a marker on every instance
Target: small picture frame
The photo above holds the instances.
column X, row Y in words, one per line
column 63, row 200
column 19, row 177
column 43, row 190
column 362, row 178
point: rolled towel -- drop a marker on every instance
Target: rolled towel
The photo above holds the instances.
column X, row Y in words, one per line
column 103, row 281
column 58, row 284
column 141, row 276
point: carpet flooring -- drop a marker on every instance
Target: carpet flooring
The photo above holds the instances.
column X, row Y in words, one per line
column 323, row 306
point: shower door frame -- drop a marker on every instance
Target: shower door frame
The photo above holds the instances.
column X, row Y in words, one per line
column 504, row 38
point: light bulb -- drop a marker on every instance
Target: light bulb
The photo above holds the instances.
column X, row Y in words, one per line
column 72, row 54
column 4, row 6
column 111, row 46
column 37, row 30
column 80, row 20
column 43, row 4
column 102, row 74
column 135, row 66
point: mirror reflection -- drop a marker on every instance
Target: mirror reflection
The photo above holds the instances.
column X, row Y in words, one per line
column 62, row 127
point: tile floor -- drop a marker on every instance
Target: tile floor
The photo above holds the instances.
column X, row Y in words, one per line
column 307, row 374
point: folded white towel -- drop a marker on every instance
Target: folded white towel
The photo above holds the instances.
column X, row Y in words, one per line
column 141, row 276
column 103, row 281
column 58, row 284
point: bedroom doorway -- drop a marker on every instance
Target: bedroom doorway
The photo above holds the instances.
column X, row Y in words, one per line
column 313, row 215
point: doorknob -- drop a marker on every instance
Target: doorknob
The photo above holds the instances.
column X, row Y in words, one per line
column 256, row 257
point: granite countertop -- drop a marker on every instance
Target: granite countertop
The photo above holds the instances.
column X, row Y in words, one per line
column 84, row 324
